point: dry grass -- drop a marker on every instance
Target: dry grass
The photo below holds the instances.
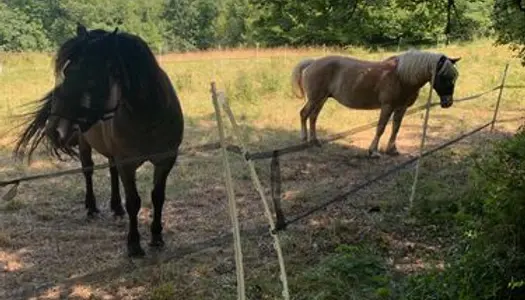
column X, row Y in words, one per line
column 46, row 238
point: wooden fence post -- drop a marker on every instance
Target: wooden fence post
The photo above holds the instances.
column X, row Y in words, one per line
column 423, row 137
column 259, row 188
column 241, row 293
column 496, row 109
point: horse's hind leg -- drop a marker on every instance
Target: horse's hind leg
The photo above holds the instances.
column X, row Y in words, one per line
column 396, row 124
column 87, row 162
column 386, row 112
column 313, row 121
column 162, row 170
column 116, row 201
column 305, row 112
column 127, row 174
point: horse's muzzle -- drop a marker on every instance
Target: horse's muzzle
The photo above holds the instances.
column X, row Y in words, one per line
column 59, row 131
column 446, row 101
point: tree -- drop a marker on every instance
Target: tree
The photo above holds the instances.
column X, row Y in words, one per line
column 234, row 23
column 509, row 23
column 19, row 32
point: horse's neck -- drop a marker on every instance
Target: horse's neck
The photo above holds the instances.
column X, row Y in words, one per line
column 415, row 68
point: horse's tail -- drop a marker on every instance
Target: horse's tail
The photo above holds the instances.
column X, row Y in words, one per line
column 297, row 75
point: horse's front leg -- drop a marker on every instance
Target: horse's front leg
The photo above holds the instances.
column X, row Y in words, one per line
column 386, row 112
column 116, row 201
column 86, row 161
column 399, row 113
column 128, row 176
column 158, row 194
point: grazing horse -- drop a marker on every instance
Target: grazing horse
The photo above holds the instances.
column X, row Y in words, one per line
column 116, row 99
column 391, row 85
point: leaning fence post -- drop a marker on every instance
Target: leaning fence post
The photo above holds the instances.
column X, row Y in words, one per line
column 275, row 179
column 241, row 294
column 423, row 137
column 502, row 86
column 259, row 188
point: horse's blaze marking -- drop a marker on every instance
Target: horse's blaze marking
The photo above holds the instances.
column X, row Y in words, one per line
column 86, row 101
column 62, row 128
column 64, row 68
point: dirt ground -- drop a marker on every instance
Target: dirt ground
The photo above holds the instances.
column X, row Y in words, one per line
column 49, row 249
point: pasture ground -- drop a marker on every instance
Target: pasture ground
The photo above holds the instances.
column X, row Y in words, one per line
column 47, row 243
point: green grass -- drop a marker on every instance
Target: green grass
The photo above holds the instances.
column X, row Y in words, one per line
column 258, row 88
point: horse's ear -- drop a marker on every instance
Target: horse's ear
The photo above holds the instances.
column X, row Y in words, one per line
column 454, row 60
column 115, row 31
column 81, row 30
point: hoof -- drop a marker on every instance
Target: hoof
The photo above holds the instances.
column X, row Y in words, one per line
column 93, row 212
column 135, row 251
column 392, row 152
column 374, row 154
column 316, row 143
column 118, row 212
column 157, row 243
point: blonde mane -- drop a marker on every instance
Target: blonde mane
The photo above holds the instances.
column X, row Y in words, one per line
column 415, row 66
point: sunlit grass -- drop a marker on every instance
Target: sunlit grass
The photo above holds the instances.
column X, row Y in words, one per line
column 257, row 84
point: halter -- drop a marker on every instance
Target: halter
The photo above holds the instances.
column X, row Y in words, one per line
column 89, row 119
column 441, row 63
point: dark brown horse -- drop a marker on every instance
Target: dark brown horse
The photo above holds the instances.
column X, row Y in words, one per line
column 116, row 99
column 391, row 85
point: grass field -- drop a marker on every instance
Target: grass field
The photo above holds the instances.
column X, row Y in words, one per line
column 47, row 243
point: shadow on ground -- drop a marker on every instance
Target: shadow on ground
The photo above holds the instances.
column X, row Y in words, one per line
column 50, row 249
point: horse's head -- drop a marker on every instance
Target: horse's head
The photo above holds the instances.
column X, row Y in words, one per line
column 89, row 91
column 445, row 80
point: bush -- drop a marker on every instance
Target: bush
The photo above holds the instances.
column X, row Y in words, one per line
column 489, row 260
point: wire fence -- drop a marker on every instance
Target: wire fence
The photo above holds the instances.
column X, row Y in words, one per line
column 211, row 146
column 281, row 222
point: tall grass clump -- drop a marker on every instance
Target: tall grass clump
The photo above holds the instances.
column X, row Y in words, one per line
column 352, row 272
column 241, row 89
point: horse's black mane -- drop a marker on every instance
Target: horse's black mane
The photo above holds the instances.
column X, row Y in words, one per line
column 133, row 65
column 132, row 61
column 34, row 133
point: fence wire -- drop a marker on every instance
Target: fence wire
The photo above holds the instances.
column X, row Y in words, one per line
column 202, row 148
column 396, row 168
column 338, row 136
column 226, row 238
column 232, row 148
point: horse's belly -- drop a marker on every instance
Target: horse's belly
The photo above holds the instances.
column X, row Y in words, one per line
column 363, row 103
column 99, row 137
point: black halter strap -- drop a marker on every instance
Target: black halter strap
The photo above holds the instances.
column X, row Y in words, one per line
column 440, row 63
column 90, row 116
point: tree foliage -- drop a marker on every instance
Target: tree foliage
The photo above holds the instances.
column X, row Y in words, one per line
column 201, row 24
column 509, row 23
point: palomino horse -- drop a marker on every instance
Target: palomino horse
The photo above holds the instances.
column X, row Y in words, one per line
column 391, row 85
column 116, row 99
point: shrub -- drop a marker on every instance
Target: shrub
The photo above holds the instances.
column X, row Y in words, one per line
column 489, row 260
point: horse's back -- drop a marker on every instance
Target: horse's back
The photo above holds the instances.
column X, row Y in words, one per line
column 355, row 83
